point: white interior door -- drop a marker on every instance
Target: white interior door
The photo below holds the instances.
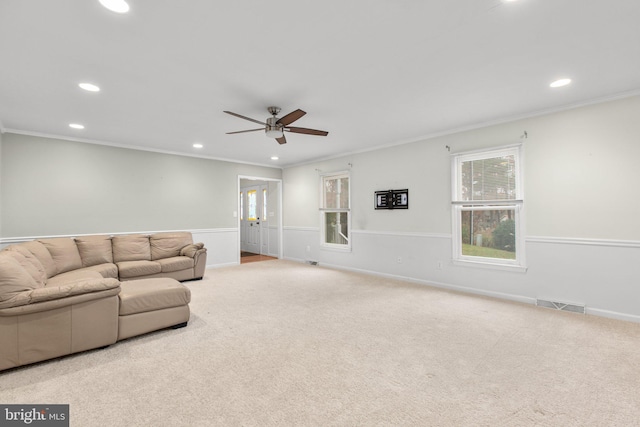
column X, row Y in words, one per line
column 268, row 207
column 250, row 219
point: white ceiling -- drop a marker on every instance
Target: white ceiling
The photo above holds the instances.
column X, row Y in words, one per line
column 371, row 72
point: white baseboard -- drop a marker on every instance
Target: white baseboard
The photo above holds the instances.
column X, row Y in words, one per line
column 447, row 286
column 466, row 290
column 228, row 264
column 612, row 315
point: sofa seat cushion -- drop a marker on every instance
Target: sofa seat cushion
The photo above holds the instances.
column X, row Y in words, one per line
column 167, row 245
column 94, row 250
column 64, row 252
column 139, row 296
column 138, row 268
column 72, row 276
column 41, row 300
column 175, row 263
column 131, row 247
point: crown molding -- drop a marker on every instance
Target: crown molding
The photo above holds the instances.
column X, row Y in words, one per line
column 479, row 125
column 133, row 147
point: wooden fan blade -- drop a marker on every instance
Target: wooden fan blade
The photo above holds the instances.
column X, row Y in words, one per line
column 243, row 131
column 307, row 131
column 246, row 118
column 281, row 140
column 291, row 117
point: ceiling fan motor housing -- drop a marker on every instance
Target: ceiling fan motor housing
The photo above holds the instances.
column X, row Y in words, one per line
column 273, row 129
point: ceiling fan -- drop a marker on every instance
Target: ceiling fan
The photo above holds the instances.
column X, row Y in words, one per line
column 275, row 127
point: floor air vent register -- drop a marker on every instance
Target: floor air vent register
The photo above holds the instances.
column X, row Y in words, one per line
column 563, row 306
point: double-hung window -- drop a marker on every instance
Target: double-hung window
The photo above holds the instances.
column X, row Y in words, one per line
column 334, row 211
column 487, row 206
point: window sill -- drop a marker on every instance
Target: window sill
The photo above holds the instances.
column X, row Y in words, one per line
column 490, row 265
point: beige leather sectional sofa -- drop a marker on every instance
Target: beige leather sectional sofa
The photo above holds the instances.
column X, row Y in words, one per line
column 65, row 295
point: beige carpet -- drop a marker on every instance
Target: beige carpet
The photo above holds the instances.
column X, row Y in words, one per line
column 282, row 343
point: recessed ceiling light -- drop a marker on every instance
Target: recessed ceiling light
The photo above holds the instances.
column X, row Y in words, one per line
column 117, row 6
column 274, row 157
column 76, row 126
column 198, row 145
column 89, row 87
column 560, row 83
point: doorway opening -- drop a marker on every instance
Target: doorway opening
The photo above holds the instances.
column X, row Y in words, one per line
column 259, row 219
column 246, row 257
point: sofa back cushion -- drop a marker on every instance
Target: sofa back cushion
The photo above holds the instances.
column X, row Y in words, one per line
column 167, row 245
column 64, row 252
column 44, row 256
column 14, row 279
column 94, row 250
column 29, row 262
column 131, row 247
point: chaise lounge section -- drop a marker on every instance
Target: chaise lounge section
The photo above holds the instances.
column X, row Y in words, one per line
column 61, row 296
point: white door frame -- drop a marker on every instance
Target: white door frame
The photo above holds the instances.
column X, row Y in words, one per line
column 279, row 222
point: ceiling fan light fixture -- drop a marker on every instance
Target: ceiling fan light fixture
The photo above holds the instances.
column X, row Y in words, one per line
column 273, row 129
column 274, row 133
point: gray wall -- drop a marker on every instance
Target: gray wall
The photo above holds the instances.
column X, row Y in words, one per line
column 582, row 236
column 1, row 134
column 58, row 187
column 581, row 169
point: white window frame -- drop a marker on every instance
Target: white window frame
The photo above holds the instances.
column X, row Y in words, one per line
column 517, row 205
column 323, row 211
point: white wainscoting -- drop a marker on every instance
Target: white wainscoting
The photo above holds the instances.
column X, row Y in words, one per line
column 221, row 243
column 222, row 246
column 274, row 245
column 600, row 274
column 301, row 243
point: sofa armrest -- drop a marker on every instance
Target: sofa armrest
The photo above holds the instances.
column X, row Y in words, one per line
column 76, row 287
column 192, row 250
column 50, row 297
column 199, row 253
